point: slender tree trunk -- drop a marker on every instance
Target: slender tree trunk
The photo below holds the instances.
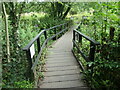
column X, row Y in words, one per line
column 1, row 49
column 65, row 14
column 95, row 30
column 58, row 9
column 14, row 18
column 53, row 9
column 119, row 23
column 7, row 33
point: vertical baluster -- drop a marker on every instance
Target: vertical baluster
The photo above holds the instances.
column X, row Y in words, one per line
column 92, row 56
column 79, row 28
column 38, row 44
column 64, row 28
column 30, row 73
column 67, row 25
column 92, row 51
column 45, row 34
column 80, row 39
column 54, row 34
column 61, row 30
column 73, row 37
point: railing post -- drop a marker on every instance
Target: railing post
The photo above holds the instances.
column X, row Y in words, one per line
column 64, row 27
column 67, row 26
column 73, row 37
column 30, row 73
column 38, row 44
column 55, row 33
column 80, row 39
column 45, row 34
column 79, row 27
column 92, row 51
column 92, row 56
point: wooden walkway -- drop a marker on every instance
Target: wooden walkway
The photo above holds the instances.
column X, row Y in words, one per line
column 62, row 69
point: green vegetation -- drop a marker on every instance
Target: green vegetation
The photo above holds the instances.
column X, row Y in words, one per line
column 102, row 25
column 23, row 21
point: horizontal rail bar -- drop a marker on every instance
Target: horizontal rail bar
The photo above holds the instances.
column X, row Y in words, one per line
column 34, row 39
column 83, row 55
column 32, row 65
column 58, row 33
column 88, row 38
column 38, row 57
column 55, row 26
column 80, row 64
column 36, row 61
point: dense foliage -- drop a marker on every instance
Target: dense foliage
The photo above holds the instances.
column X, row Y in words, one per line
column 101, row 23
column 24, row 24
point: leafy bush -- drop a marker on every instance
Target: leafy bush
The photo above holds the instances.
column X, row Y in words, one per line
column 23, row 84
column 103, row 74
column 15, row 72
column 20, row 84
column 102, row 25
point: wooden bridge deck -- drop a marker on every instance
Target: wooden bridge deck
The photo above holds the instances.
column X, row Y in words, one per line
column 62, row 70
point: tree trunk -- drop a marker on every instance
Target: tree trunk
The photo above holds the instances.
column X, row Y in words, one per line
column 7, row 33
column 65, row 14
column 14, row 18
column 119, row 23
column 53, row 12
column 58, row 9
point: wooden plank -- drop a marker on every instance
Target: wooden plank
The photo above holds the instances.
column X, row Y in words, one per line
column 64, row 68
column 60, row 55
column 61, row 64
column 62, row 78
column 58, row 73
column 65, row 84
column 60, row 58
column 57, row 52
column 59, row 61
